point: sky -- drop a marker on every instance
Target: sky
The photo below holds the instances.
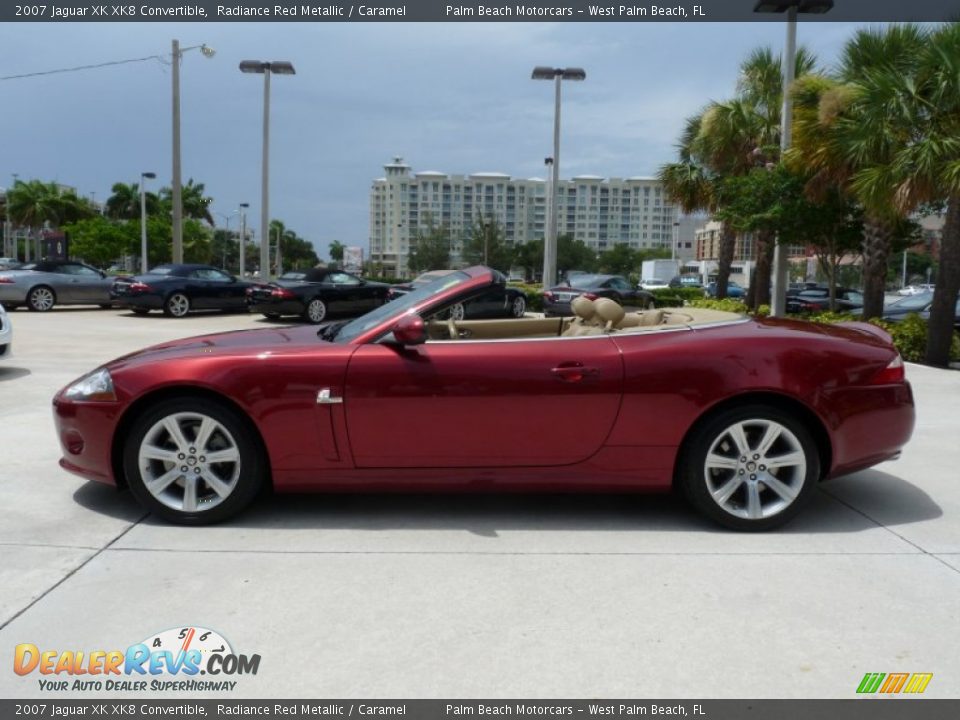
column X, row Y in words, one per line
column 457, row 98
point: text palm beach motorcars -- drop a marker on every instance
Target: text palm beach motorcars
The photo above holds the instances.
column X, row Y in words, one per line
column 746, row 415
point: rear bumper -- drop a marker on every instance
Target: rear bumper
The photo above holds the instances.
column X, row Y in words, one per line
column 148, row 302
column 873, row 426
column 286, row 307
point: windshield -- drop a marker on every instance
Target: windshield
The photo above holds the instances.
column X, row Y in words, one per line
column 429, row 277
column 298, row 275
column 161, row 270
column 398, row 307
column 913, row 302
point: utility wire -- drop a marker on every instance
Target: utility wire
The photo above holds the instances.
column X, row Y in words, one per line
column 84, row 67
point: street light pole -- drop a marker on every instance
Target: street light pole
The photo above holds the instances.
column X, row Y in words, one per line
column 176, row 193
column 279, row 67
column 778, row 299
column 550, row 242
column 144, row 176
column 243, row 237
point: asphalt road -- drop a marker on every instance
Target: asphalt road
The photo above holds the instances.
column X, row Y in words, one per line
column 447, row 596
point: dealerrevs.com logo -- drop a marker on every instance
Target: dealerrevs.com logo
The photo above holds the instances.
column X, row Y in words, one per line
column 179, row 659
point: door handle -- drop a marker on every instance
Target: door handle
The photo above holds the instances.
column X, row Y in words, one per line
column 573, row 372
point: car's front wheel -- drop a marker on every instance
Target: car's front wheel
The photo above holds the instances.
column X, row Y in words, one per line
column 41, row 299
column 177, row 305
column 316, row 311
column 193, row 461
column 750, row 467
column 519, row 307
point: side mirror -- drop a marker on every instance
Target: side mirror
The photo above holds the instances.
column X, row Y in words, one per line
column 410, row 330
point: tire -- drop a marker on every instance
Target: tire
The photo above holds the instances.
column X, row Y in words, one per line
column 140, row 311
column 206, row 492
column 519, row 307
column 735, row 488
column 457, row 312
column 315, row 312
column 41, row 298
column 177, row 305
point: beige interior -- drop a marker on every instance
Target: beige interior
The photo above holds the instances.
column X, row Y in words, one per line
column 592, row 317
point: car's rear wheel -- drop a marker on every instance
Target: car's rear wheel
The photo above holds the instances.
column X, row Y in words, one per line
column 316, row 311
column 193, row 461
column 41, row 299
column 750, row 467
column 177, row 305
column 519, row 307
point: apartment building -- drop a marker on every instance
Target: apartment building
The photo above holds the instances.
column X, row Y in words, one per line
column 602, row 212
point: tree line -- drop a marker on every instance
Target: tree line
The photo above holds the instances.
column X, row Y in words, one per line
column 874, row 143
column 102, row 238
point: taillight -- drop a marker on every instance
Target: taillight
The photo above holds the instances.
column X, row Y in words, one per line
column 140, row 287
column 6, row 279
column 548, row 296
column 590, row 296
column 282, row 293
column 892, row 374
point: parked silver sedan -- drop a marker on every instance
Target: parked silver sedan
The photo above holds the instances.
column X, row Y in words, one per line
column 41, row 285
column 6, row 335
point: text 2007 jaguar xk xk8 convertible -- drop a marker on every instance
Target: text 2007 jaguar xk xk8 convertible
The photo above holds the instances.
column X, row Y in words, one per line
column 745, row 415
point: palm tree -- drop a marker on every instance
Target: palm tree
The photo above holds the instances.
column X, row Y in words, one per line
column 34, row 203
column 848, row 131
column 927, row 170
column 124, row 203
column 195, row 204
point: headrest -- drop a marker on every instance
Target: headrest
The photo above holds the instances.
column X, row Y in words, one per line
column 583, row 307
column 609, row 312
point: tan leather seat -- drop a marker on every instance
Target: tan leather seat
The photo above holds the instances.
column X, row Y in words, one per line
column 611, row 313
column 645, row 318
column 585, row 321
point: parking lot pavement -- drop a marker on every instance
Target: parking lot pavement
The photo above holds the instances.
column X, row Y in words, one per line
column 498, row 596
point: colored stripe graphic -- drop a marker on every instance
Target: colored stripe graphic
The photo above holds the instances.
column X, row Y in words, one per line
column 894, row 683
column 870, row 682
column 918, row 682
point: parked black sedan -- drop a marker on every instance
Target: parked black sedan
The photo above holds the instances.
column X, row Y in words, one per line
column 499, row 301
column 556, row 300
column 179, row 288
column 314, row 294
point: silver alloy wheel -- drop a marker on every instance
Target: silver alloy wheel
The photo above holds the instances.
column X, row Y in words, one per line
column 41, row 299
column 178, row 304
column 519, row 307
column 457, row 312
column 755, row 469
column 189, row 462
column 317, row 310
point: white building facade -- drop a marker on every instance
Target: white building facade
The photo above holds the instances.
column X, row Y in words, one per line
column 602, row 212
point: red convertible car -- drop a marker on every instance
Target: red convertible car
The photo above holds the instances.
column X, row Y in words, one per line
column 744, row 415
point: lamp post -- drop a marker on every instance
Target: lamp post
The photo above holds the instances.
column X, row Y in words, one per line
column 175, row 185
column 226, row 223
column 144, row 176
column 550, row 242
column 276, row 67
column 243, row 236
column 778, row 300
column 674, row 241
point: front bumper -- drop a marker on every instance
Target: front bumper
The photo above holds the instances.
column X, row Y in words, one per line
column 85, row 431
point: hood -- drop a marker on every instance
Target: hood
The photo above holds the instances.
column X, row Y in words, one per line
column 276, row 341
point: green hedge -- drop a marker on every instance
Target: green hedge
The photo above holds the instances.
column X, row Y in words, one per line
column 676, row 297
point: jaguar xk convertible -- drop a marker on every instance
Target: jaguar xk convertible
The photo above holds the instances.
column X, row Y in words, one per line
column 744, row 415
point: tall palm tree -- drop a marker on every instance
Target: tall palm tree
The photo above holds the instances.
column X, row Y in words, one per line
column 926, row 169
column 195, row 204
column 34, row 203
column 124, row 203
column 743, row 133
column 849, row 130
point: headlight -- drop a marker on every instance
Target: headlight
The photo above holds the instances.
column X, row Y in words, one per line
column 97, row 386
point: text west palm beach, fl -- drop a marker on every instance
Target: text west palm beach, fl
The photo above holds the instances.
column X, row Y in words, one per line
column 561, row 11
